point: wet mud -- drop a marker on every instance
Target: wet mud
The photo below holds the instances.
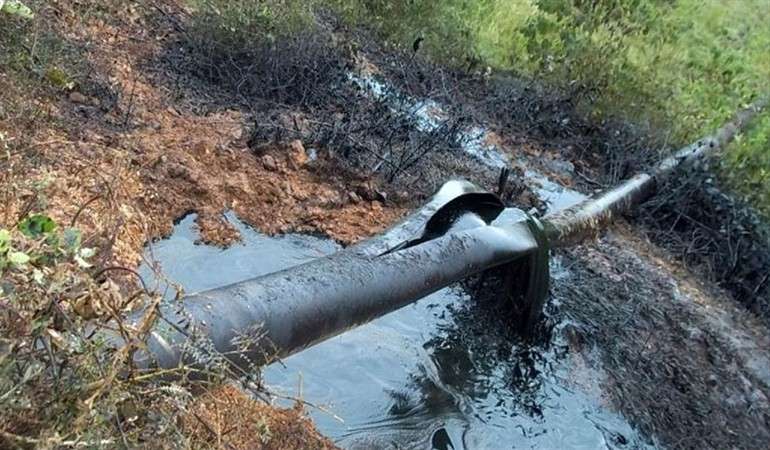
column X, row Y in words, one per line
column 714, row 234
column 685, row 364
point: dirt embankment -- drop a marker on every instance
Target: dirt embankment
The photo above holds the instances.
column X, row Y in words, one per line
column 136, row 158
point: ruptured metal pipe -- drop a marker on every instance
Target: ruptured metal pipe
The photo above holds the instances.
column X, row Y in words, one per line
column 254, row 321
column 460, row 232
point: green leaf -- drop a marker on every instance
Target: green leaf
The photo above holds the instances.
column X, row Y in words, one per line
column 37, row 225
column 18, row 258
column 16, row 8
column 59, row 78
column 5, row 240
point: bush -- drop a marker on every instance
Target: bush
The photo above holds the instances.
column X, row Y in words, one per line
column 262, row 49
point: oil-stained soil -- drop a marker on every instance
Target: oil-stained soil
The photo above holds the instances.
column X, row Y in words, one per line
column 686, row 364
column 130, row 161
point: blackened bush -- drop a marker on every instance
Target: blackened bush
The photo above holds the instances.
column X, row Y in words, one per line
column 271, row 50
column 708, row 229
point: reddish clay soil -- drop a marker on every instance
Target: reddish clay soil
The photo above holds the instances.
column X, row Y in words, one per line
column 127, row 184
column 226, row 419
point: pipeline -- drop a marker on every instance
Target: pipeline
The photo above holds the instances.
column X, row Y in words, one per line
column 460, row 232
column 578, row 222
column 452, row 237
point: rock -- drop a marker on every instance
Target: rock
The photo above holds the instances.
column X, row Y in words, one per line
column 758, row 399
column 561, row 167
column 353, row 197
column 297, row 155
column 178, row 171
column 401, row 196
column 237, row 134
column 269, row 163
column 77, row 97
column 369, row 192
column 201, row 147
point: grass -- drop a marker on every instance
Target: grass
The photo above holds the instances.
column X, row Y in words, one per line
column 681, row 66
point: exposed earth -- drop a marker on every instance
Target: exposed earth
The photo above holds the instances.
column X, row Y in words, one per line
column 137, row 144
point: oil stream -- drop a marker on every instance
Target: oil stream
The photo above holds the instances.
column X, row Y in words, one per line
column 444, row 373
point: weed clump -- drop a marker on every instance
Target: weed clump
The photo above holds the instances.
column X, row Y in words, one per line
column 65, row 383
column 60, row 386
column 35, row 55
column 270, row 50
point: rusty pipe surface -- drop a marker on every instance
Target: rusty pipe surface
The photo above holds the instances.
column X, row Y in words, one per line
column 584, row 219
column 253, row 321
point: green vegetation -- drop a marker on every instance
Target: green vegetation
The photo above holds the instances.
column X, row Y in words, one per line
column 16, row 8
column 37, row 60
column 681, row 66
column 59, row 386
column 238, row 23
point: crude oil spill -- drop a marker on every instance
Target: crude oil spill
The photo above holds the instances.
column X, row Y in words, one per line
column 474, row 140
column 443, row 373
column 202, row 267
column 555, row 196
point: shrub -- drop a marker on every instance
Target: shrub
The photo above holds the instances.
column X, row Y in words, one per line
column 262, row 49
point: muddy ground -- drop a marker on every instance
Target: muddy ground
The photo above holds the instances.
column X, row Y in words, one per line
column 687, row 365
column 149, row 135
